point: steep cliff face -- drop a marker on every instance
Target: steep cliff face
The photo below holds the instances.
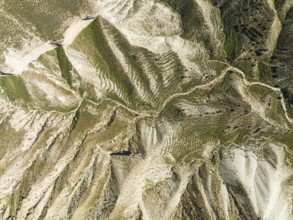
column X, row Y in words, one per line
column 153, row 110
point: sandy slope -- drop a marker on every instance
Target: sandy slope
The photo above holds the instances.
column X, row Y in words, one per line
column 17, row 61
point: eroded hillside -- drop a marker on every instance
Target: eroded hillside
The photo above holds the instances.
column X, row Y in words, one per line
column 155, row 110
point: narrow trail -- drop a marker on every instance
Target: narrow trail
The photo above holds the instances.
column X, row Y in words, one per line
column 156, row 113
column 290, row 120
column 217, row 79
column 220, row 77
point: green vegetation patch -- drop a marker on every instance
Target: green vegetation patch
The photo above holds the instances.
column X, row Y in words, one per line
column 15, row 89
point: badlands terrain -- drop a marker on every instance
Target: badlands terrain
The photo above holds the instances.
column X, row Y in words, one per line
column 146, row 109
